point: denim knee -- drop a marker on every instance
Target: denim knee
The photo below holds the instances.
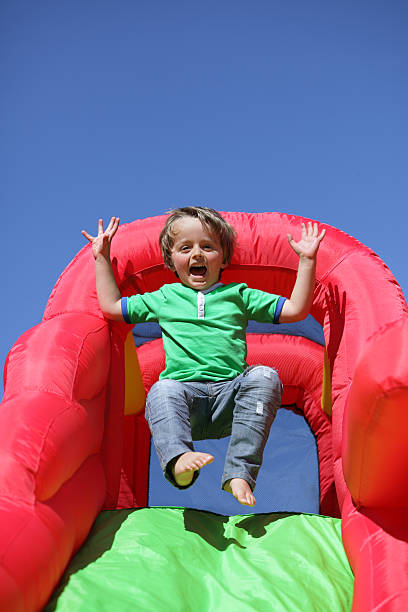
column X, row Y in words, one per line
column 264, row 376
column 260, row 391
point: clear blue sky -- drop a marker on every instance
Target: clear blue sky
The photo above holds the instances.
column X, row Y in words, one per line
column 131, row 107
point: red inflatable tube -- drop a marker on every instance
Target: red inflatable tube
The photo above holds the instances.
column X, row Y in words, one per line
column 375, row 460
column 68, row 451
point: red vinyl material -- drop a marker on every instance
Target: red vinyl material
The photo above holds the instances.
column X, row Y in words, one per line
column 67, row 450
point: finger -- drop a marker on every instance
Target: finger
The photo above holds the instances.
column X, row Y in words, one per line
column 87, row 236
column 310, row 229
column 114, row 227
column 100, row 227
column 315, row 230
column 115, row 224
column 293, row 244
column 322, row 235
column 110, row 225
column 304, row 233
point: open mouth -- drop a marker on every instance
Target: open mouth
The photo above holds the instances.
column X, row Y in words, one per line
column 198, row 270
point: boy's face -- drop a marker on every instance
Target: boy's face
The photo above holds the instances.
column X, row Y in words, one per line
column 197, row 254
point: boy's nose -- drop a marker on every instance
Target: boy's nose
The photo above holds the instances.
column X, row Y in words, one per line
column 196, row 251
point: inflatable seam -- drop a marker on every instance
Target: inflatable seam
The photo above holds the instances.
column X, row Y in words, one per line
column 16, row 535
column 41, row 388
column 46, row 433
column 74, row 312
column 345, row 256
column 389, row 599
column 78, row 357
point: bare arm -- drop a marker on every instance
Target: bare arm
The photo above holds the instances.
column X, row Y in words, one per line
column 298, row 306
column 106, row 288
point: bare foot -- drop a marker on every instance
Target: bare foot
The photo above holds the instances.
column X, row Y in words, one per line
column 241, row 491
column 188, row 463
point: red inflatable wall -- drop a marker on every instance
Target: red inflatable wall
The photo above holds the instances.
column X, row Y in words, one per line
column 68, row 451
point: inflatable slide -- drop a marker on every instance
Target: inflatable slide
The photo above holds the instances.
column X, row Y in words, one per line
column 75, row 448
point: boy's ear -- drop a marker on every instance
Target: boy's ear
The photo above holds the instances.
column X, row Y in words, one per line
column 224, row 264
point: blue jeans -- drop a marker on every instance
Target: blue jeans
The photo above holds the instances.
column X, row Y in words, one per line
column 244, row 407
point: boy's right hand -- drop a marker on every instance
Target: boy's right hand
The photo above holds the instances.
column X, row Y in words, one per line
column 101, row 243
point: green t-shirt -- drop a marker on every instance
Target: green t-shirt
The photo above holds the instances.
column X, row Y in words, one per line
column 204, row 333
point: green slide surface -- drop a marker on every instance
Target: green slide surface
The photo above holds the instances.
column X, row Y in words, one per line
column 177, row 559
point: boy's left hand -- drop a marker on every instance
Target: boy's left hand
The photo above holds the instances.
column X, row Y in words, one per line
column 309, row 243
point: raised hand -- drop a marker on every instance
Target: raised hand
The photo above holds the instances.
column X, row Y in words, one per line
column 309, row 243
column 101, row 243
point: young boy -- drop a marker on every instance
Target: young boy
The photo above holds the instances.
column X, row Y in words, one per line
column 207, row 389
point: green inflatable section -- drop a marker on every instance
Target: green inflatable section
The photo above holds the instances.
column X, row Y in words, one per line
column 177, row 559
